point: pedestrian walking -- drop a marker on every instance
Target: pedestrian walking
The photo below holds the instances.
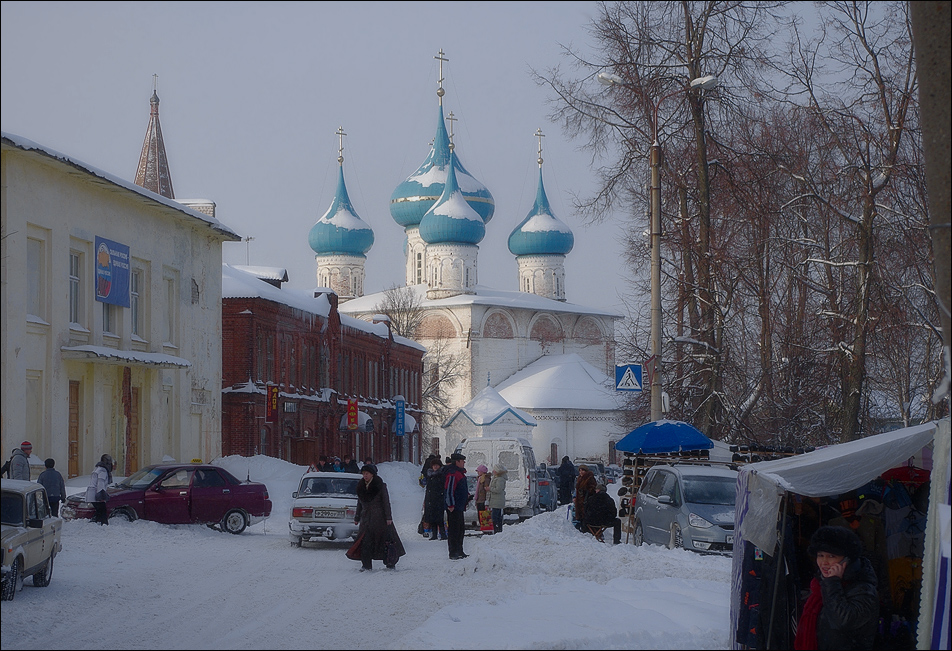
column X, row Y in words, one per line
column 497, row 495
column 456, row 495
column 96, row 493
column 52, row 481
column 20, row 462
column 375, row 518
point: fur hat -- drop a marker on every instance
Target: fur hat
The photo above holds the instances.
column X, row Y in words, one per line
column 601, row 488
column 835, row 540
column 371, row 468
column 583, row 467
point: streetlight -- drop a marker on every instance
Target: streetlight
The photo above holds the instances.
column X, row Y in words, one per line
column 654, row 362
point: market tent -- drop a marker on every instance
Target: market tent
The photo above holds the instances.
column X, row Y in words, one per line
column 662, row 436
column 835, row 470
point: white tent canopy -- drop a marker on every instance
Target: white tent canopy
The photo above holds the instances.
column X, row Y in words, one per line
column 828, row 471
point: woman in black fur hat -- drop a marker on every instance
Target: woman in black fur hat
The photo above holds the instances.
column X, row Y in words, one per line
column 376, row 521
column 843, row 607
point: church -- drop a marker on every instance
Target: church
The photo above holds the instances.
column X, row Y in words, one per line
column 549, row 358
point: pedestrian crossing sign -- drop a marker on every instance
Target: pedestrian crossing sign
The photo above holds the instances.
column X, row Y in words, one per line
column 628, row 377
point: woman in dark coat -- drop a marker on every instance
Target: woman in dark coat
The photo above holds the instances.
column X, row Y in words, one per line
column 843, row 607
column 566, row 474
column 376, row 521
column 434, row 501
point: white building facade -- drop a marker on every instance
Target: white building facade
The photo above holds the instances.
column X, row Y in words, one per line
column 111, row 322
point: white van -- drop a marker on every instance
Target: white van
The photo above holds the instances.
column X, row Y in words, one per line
column 517, row 457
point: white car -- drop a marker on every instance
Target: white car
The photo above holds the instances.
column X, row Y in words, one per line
column 30, row 536
column 324, row 507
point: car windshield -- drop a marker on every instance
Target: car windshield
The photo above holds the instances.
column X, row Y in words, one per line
column 11, row 509
column 141, row 478
column 710, row 490
column 329, row 486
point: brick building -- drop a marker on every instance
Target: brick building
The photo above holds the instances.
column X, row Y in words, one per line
column 318, row 360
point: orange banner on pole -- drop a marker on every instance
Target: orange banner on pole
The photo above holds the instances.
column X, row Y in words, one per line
column 352, row 413
column 271, row 412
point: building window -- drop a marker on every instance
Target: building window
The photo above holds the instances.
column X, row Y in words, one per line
column 75, row 288
column 36, row 269
column 418, row 278
column 135, row 304
column 171, row 304
column 109, row 325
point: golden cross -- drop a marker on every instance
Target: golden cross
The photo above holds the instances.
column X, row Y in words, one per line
column 451, row 119
column 155, row 79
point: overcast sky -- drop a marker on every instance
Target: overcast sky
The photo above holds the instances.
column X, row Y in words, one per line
column 253, row 93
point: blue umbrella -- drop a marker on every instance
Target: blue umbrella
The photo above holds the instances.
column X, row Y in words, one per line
column 664, row 436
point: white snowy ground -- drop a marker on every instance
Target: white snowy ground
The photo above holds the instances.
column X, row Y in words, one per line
column 538, row 585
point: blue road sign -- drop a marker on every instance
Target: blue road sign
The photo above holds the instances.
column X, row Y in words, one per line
column 628, row 377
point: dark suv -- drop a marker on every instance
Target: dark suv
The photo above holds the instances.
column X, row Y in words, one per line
column 687, row 505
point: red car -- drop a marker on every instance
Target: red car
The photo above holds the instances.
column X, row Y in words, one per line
column 183, row 493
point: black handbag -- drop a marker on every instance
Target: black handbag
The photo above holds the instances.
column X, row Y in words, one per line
column 102, row 496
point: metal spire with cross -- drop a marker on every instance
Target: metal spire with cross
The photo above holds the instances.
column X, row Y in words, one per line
column 340, row 149
column 439, row 91
column 155, row 81
column 540, row 136
column 451, row 119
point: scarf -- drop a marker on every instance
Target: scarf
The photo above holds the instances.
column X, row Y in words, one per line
column 108, row 472
column 806, row 630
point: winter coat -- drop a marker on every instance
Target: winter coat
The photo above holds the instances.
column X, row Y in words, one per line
column 351, row 466
column 52, row 481
column 600, row 510
column 455, row 488
column 584, row 487
column 434, row 503
column 497, row 492
column 850, row 610
column 482, row 484
column 373, row 511
column 98, row 480
column 566, row 473
column 20, row 465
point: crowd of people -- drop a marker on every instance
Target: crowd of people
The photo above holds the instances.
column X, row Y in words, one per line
column 336, row 464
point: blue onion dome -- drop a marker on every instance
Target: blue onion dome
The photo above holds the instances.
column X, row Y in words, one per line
column 340, row 230
column 541, row 232
column 452, row 219
column 412, row 198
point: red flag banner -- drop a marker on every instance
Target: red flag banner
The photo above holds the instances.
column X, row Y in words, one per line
column 271, row 413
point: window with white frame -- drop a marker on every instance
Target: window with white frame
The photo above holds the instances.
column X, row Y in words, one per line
column 76, row 287
column 171, row 308
column 110, row 318
column 135, row 302
column 36, row 271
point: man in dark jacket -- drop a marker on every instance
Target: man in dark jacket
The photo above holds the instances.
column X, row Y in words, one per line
column 52, row 481
column 600, row 511
column 566, row 481
column 456, row 494
column 350, row 464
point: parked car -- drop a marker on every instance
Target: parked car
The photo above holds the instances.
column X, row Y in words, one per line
column 548, row 488
column 518, row 458
column 324, row 506
column 181, row 493
column 30, row 535
column 688, row 506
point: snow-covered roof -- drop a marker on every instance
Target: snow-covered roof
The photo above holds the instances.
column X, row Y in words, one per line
column 486, row 408
column 116, row 356
column 560, row 382
column 236, row 283
column 264, row 273
column 482, row 296
column 25, row 144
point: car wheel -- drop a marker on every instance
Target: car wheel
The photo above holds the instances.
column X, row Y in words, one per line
column 639, row 536
column 14, row 581
column 42, row 578
column 234, row 521
column 677, row 538
column 122, row 514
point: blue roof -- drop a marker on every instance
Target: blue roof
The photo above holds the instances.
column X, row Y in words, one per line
column 340, row 230
column 452, row 219
column 541, row 232
column 412, row 198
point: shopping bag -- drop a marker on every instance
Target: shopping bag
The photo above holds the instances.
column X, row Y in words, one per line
column 354, row 552
column 485, row 521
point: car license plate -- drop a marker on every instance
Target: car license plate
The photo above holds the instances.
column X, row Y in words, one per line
column 325, row 513
column 730, row 540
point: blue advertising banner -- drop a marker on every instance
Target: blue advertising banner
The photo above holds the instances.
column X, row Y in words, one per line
column 400, row 406
column 112, row 272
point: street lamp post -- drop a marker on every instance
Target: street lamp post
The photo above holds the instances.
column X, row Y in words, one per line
column 654, row 362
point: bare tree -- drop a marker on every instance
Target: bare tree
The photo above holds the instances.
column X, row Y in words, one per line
column 404, row 307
